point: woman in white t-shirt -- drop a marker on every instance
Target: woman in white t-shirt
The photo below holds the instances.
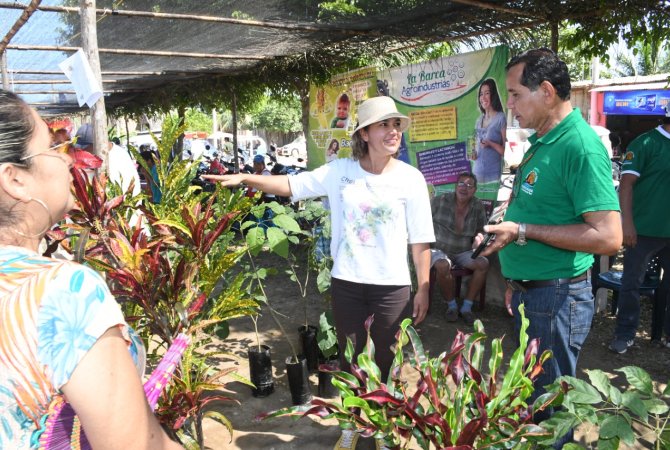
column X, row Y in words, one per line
column 379, row 205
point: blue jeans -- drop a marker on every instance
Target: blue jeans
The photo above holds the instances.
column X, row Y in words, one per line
column 560, row 316
column 635, row 261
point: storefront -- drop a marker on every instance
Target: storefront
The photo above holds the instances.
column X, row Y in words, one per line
column 630, row 109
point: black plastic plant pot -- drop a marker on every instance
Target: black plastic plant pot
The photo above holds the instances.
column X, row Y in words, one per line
column 260, row 371
column 298, row 380
column 326, row 388
column 310, row 346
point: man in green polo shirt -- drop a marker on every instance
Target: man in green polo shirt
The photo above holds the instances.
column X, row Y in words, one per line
column 643, row 192
column 563, row 208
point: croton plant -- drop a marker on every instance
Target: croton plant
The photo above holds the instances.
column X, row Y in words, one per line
column 452, row 404
column 173, row 269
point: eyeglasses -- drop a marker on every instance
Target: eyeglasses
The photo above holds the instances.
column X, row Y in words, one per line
column 466, row 185
column 59, row 149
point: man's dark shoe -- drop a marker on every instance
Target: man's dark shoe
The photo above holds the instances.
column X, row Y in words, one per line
column 620, row 346
column 451, row 315
column 468, row 317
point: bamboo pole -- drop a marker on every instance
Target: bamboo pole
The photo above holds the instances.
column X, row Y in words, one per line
column 125, row 51
column 297, row 26
column 89, row 38
column 27, row 12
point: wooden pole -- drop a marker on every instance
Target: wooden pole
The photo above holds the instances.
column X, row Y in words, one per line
column 236, row 154
column 181, row 114
column 104, row 72
column 89, row 38
column 554, row 36
column 3, row 67
column 125, row 51
column 497, row 7
column 282, row 25
column 27, row 12
column 63, row 81
column 125, row 120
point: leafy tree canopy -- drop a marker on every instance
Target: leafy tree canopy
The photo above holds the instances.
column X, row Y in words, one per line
column 275, row 115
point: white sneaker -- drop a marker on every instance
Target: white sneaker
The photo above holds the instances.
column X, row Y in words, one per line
column 347, row 440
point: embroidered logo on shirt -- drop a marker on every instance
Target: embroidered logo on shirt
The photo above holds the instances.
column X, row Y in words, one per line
column 529, row 183
column 629, row 156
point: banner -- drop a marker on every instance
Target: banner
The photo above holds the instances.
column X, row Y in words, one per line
column 332, row 114
column 449, row 133
column 642, row 102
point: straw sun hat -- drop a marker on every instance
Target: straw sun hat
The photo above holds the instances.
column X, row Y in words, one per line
column 376, row 109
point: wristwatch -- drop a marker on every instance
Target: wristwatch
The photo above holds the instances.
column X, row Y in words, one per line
column 521, row 239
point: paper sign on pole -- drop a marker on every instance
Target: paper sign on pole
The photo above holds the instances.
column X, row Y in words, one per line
column 79, row 72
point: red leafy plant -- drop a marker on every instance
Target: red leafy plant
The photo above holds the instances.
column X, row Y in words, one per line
column 172, row 268
column 452, row 405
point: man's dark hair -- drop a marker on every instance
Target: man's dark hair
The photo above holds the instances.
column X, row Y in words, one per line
column 467, row 175
column 543, row 64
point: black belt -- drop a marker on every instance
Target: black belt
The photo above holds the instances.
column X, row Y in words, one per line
column 522, row 285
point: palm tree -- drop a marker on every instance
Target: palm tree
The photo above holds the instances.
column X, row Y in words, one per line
column 645, row 58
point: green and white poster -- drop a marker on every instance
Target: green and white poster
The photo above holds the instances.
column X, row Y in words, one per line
column 456, row 104
column 449, row 134
column 332, row 114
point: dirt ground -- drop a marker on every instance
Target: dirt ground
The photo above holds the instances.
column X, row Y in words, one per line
column 437, row 334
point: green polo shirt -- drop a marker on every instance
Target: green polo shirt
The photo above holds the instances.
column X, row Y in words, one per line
column 648, row 157
column 567, row 173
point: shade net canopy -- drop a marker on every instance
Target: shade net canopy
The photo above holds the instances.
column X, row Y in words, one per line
column 143, row 55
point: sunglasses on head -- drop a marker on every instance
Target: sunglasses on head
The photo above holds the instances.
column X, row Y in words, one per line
column 61, row 148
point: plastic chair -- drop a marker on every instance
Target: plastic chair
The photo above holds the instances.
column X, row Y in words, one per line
column 612, row 280
column 457, row 274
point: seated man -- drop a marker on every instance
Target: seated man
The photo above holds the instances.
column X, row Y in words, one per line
column 457, row 218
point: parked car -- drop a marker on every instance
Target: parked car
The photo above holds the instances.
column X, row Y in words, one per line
column 296, row 149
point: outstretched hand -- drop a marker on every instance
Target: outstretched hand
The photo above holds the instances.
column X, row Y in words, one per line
column 225, row 180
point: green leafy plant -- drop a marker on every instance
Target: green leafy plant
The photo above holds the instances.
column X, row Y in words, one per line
column 621, row 416
column 326, row 337
column 288, row 235
column 175, row 270
column 452, row 405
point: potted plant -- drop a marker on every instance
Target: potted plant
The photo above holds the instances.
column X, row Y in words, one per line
column 328, row 354
column 277, row 238
column 260, row 366
column 452, row 405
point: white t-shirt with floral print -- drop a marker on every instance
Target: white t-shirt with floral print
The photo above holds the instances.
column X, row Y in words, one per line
column 373, row 217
